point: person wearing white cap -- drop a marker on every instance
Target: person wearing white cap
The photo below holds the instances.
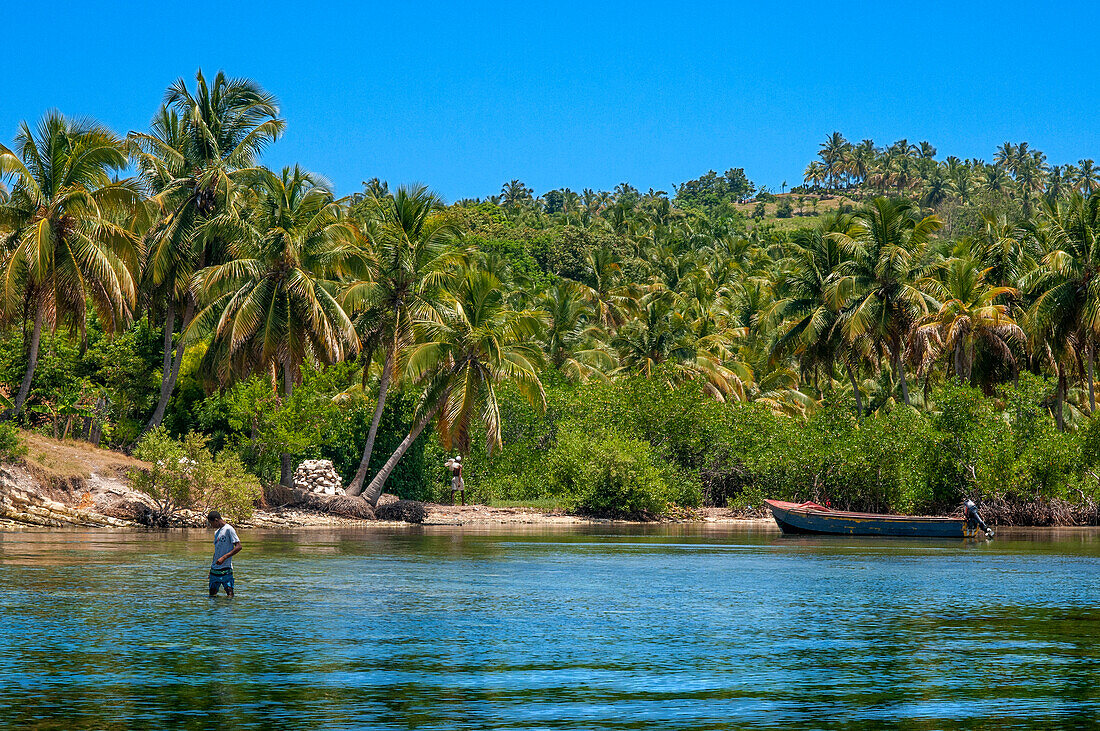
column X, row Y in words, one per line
column 457, row 485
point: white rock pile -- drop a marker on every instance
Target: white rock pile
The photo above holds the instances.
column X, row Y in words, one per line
column 319, row 476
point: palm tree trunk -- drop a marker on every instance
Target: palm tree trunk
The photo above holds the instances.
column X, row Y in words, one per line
column 904, row 381
column 1059, row 396
column 356, row 485
column 32, row 363
column 169, row 330
column 165, row 369
column 1092, row 387
column 95, row 431
column 172, row 363
column 286, row 466
column 374, row 490
column 855, row 388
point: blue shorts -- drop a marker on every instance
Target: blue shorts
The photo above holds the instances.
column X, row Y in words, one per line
column 222, row 577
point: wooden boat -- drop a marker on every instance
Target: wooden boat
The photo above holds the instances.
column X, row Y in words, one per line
column 811, row 518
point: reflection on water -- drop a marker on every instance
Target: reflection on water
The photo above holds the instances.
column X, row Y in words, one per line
column 677, row 627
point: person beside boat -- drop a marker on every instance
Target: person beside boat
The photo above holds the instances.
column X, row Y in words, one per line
column 811, row 518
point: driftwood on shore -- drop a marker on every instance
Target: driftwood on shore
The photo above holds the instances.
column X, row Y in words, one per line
column 343, row 506
column 408, row 511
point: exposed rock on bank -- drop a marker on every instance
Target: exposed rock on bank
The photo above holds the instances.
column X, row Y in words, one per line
column 31, row 507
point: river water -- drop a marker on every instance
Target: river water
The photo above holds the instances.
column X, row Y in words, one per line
column 663, row 627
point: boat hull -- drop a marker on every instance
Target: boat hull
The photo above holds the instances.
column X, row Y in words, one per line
column 811, row 519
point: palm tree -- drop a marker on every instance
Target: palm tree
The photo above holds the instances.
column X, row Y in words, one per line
column 67, row 246
column 591, row 205
column 994, row 179
column 272, row 306
column 1086, row 177
column 473, row 343
column 1058, row 181
column 806, row 303
column 863, row 158
column 832, row 153
column 1065, row 315
column 413, row 252
column 900, row 158
column 661, row 337
column 937, row 186
column 1004, row 248
column 603, row 287
column 514, row 193
column 969, row 315
column 199, row 147
column 1006, row 156
column 815, row 174
column 877, row 284
column 570, row 338
column 961, row 178
column 925, row 150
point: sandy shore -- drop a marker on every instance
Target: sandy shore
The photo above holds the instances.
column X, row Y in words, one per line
column 484, row 515
column 71, row 483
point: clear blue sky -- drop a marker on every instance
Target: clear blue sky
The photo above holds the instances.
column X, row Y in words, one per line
column 465, row 96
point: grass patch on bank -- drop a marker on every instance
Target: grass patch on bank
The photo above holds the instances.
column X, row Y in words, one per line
column 58, row 461
column 549, row 503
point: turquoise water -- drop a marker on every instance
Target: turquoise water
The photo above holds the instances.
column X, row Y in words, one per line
column 664, row 627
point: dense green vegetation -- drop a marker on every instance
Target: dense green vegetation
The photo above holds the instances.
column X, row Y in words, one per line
column 184, row 474
column 897, row 333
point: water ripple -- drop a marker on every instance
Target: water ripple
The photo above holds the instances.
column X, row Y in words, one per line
column 655, row 628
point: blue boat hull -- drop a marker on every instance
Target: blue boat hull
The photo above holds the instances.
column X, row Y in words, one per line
column 810, row 519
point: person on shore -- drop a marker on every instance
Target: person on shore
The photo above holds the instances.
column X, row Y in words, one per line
column 226, row 545
column 457, row 484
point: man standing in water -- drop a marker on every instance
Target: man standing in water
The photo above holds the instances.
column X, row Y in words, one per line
column 226, row 544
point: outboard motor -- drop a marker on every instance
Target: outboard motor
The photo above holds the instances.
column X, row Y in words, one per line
column 973, row 520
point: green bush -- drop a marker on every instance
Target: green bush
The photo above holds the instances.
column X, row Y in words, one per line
column 834, row 457
column 676, row 423
column 12, row 447
column 608, row 476
column 230, row 488
column 184, row 475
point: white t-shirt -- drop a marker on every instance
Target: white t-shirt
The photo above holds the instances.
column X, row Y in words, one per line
column 224, row 538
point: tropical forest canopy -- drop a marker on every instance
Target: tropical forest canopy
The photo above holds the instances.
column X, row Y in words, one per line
column 933, row 316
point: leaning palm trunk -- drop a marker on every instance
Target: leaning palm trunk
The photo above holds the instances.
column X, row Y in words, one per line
column 855, row 388
column 286, row 466
column 356, row 485
column 1092, row 388
column 171, row 368
column 374, row 490
column 32, row 363
column 904, row 381
column 169, row 331
column 1059, row 397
